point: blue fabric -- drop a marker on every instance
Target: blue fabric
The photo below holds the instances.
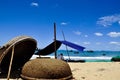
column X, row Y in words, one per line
column 72, row 45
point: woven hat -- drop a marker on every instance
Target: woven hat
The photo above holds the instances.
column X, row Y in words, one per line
column 48, row 69
column 23, row 51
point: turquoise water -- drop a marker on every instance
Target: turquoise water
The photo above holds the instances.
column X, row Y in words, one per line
column 89, row 56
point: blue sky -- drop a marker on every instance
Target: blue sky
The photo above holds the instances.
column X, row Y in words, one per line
column 94, row 24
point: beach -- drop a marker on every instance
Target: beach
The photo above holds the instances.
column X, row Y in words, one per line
column 95, row 70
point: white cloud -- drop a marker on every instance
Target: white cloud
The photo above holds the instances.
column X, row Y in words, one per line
column 114, row 34
column 114, row 43
column 98, row 34
column 119, row 22
column 63, row 23
column 34, row 4
column 109, row 20
column 86, row 35
column 77, row 32
column 86, row 43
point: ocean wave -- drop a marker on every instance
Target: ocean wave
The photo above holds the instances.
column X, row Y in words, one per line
column 78, row 58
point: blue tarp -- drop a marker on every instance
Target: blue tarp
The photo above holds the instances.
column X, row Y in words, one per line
column 72, row 45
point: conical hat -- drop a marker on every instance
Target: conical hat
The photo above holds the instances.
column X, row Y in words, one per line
column 24, row 49
column 46, row 69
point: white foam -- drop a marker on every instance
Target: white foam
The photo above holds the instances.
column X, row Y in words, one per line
column 79, row 58
column 89, row 58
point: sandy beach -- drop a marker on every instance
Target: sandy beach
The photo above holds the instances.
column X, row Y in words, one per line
column 93, row 71
column 96, row 70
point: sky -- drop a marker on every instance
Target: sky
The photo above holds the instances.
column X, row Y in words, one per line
column 94, row 24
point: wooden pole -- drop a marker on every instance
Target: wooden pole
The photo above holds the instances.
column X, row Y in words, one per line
column 66, row 45
column 8, row 76
column 55, row 40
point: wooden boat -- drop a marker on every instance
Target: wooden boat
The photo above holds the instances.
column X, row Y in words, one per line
column 24, row 49
column 74, row 60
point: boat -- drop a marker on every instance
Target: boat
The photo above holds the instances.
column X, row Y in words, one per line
column 76, row 52
column 90, row 51
column 115, row 59
column 71, row 60
column 22, row 48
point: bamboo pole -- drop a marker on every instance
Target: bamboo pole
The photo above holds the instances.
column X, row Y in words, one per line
column 8, row 76
column 66, row 45
column 55, row 40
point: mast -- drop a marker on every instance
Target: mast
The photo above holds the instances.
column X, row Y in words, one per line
column 55, row 40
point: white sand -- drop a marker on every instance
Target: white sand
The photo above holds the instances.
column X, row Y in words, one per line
column 96, row 70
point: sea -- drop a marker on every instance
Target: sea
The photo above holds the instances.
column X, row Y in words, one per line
column 88, row 56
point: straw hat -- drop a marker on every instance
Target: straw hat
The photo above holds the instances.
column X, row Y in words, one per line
column 24, row 49
column 48, row 69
